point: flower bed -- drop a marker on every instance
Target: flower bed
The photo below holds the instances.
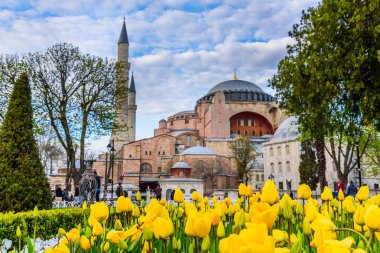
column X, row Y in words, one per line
column 47, row 222
column 255, row 223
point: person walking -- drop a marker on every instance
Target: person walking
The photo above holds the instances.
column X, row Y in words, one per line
column 119, row 190
column 352, row 189
column 158, row 192
column 97, row 193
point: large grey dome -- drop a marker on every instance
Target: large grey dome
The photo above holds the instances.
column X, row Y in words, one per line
column 239, row 90
column 236, row 85
column 288, row 130
column 198, row 150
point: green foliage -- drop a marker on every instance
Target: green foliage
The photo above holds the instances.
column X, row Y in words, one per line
column 308, row 166
column 330, row 76
column 23, row 184
column 373, row 153
column 48, row 222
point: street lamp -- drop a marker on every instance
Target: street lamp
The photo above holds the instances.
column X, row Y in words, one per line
column 111, row 150
column 358, row 160
column 271, row 177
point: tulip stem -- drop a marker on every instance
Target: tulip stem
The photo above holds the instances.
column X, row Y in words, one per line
column 289, row 232
column 370, row 240
column 359, row 234
column 196, row 245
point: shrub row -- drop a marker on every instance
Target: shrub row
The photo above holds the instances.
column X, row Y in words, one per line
column 48, row 222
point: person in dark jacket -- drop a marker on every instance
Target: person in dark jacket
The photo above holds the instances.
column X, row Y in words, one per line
column 352, row 189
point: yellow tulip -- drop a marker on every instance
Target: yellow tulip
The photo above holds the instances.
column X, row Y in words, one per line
column 335, row 246
column 269, row 193
column 178, row 196
column 99, row 211
column 114, row 236
column 84, row 243
column 359, row 215
column 323, row 223
column 254, row 239
column 205, row 246
column 279, row 236
column 195, row 196
column 285, row 198
column 61, row 232
column 372, row 218
column 322, row 235
column 215, row 218
column 124, row 204
column 242, row 190
column 138, row 196
column 97, row 229
column 363, row 193
column 281, row 250
column 249, row 191
column 340, row 195
column 227, row 201
column 198, row 225
column 306, row 227
column 73, row 235
column 61, row 248
column 326, row 194
column 263, row 213
column 162, row 228
column 348, row 204
column 106, row 246
column 214, row 200
column 136, row 212
column 304, row 191
column 221, row 232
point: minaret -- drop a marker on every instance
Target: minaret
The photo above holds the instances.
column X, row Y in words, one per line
column 120, row 133
column 132, row 110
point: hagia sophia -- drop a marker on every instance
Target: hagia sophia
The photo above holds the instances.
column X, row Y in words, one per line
column 190, row 144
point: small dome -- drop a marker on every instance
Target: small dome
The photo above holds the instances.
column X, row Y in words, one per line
column 288, row 130
column 180, row 165
column 236, row 85
column 198, row 150
column 162, row 120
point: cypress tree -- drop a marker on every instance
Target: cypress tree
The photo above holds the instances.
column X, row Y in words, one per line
column 23, row 184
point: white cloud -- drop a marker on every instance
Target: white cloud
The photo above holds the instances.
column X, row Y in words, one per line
column 179, row 48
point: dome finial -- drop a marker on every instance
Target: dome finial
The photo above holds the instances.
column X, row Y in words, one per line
column 235, row 78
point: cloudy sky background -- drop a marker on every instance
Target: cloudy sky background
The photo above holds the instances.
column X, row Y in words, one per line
column 179, row 49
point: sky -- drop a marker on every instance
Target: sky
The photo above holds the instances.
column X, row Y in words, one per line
column 179, row 49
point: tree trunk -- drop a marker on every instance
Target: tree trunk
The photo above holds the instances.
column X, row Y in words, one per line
column 321, row 162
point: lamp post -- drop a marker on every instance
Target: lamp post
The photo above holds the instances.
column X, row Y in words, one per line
column 111, row 150
column 358, row 160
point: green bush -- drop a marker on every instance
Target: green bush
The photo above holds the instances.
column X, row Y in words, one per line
column 48, row 223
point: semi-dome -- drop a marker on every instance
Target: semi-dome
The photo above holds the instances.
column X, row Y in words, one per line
column 239, row 90
column 288, row 130
column 198, row 150
column 235, row 85
column 180, row 165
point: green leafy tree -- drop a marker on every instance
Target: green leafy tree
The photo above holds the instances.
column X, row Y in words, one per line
column 78, row 93
column 372, row 164
column 308, row 166
column 243, row 152
column 330, row 77
column 23, row 184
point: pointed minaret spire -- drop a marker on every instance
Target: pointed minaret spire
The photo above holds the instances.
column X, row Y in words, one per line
column 132, row 87
column 235, row 78
column 123, row 34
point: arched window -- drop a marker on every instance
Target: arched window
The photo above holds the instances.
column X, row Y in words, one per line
column 287, row 150
column 260, row 133
column 231, row 132
column 257, row 177
column 150, row 152
column 280, row 167
column 181, row 174
column 271, row 152
column 238, row 131
column 168, row 193
column 245, row 132
column 262, row 177
column 146, row 168
column 200, row 166
column 163, row 152
column 287, row 166
column 146, row 152
column 272, row 167
column 159, row 152
column 253, row 133
column 279, row 150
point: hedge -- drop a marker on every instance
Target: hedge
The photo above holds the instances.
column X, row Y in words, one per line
column 48, row 223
